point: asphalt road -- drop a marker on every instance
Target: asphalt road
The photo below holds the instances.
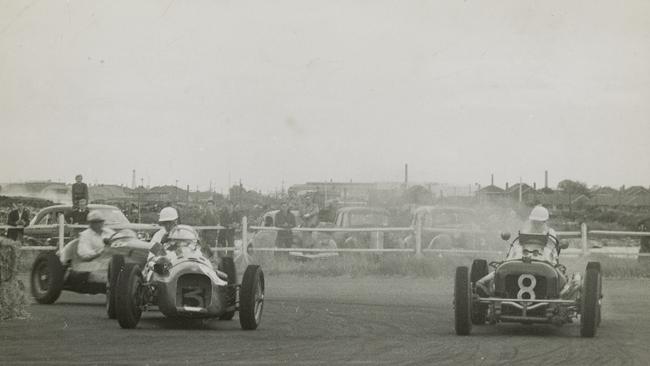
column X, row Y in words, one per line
column 329, row 321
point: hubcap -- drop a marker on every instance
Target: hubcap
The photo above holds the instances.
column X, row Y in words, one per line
column 259, row 300
column 42, row 278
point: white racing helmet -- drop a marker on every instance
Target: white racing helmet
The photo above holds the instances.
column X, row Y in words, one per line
column 184, row 233
column 168, row 214
column 539, row 213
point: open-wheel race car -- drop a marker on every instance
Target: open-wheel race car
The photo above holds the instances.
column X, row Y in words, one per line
column 55, row 271
column 181, row 281
column 530, row 286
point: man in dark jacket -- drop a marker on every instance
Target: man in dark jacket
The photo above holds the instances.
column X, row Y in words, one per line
column 18, row 217
column 79, row 191
column 210, row 217
column 79, row 214
column 286, row 221
column 229, row 220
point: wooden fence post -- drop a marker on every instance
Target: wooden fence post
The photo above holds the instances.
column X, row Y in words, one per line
column 61, row 223
column 583, row 239
column 418, row 237
column 244, row 235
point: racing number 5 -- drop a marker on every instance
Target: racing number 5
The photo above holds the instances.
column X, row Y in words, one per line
column 193, row 296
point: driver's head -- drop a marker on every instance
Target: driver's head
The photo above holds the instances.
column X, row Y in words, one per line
column 184, row 233
column 96, row 221
column 168, row 218
column 539, row 213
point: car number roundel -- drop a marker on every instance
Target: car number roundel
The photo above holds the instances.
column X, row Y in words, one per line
column 527, row 283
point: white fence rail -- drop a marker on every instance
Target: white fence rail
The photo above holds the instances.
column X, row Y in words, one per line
column 584, row 234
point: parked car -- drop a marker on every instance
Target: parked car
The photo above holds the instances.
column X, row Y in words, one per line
column 528, row 287
column 446, row 217
column 36, row 233
column 266, row 238
column 364, row 217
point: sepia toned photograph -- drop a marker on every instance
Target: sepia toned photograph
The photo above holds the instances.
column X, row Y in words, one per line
column 311, row 182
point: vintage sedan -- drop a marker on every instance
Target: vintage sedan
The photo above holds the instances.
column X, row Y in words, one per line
column 529, row 287
column 42, row 230
column 359, row 218
column 465, row 220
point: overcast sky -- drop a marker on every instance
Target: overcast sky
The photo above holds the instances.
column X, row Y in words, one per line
column 317, row 90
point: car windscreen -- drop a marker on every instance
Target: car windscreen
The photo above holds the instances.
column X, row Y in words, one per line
column 368, row 219
column 448, row 218
column 112, row 216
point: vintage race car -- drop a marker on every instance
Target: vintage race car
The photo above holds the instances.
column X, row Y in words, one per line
column 53, row 271
column 528, row 287
column 182, row 282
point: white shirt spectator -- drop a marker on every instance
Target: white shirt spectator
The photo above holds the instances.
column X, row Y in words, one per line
column 91, row 244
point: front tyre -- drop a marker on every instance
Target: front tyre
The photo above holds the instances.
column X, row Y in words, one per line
column 114, row 267
column 228, row 267
column 462, row 302
column 478, row 271
column 47, row 278
column 590, row 306
column 129, row 296
column 251, row 298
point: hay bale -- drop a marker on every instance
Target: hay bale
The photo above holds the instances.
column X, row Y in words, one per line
column 12, row 291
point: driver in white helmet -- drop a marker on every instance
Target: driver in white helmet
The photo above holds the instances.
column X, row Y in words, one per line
column 536, row 224
column 168, row 219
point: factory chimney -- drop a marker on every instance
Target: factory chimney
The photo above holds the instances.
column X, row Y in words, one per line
column 545, row 178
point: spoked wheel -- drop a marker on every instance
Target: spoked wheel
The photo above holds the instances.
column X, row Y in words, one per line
column 228, row 266
column 46, row 278
column 479, row 270
column 114, row 267
column 590, row 307
column 129, row 296
column 251, row 298
column 462, row 302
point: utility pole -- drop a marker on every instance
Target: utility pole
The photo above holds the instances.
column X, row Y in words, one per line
column 133, row 180
column 520, row 190
column 406, row 176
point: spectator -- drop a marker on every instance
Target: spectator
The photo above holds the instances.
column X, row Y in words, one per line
column 284, row 220
column 229, row 220
column 18, row 217
column 79, row 190
column 210, row 217
column 310, row 213
column 79, row 214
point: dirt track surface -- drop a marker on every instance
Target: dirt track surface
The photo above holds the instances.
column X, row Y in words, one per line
column 325, row 321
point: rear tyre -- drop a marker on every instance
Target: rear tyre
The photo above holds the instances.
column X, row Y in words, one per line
column 462, row 302
column 129, row 299
column 46, row 278
column 251, row 298
column 114, row 267
column 478, row 271
column 228, row 267
column 590, row 307
column 596, row 266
